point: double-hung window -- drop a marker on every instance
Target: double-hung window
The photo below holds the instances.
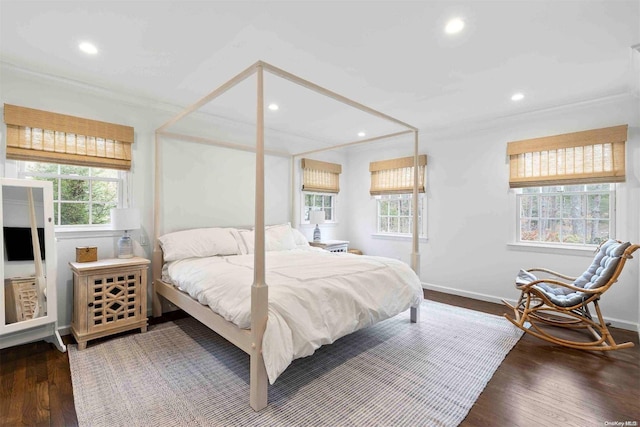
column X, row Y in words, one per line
column 87, row 161
column 81, row 195
column 392, row 183
column 566, row 214
column 320, row 186
column 565, row 186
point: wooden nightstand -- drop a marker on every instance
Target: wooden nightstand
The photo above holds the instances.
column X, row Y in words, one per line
column 332, row 245
column 109, row 296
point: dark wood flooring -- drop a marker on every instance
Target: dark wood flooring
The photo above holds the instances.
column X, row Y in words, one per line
column 537, row 384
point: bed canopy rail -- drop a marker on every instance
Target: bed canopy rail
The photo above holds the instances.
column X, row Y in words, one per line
column 259, row 290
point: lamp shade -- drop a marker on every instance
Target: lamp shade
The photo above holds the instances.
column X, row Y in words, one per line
column 316, row 217
column 125, row 219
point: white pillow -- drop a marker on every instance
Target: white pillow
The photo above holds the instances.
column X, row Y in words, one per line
column 299, row 238
column 276, row 238
column 199, row 243
column 279, row 238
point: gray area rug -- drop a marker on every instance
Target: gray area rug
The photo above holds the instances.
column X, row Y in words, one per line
column 391, row 374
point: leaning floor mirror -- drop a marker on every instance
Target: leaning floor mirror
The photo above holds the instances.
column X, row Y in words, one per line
column 28, row 306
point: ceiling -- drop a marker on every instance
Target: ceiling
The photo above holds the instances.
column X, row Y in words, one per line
column 390, row 55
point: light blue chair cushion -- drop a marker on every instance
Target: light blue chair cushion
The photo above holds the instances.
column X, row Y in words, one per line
column 598, row 274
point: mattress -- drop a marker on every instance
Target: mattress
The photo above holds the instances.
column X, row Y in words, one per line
column 315, row 296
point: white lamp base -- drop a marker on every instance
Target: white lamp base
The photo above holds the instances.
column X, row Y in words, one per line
column 316, row 234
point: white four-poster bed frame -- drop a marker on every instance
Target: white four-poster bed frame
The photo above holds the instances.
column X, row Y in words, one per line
column 250, row 341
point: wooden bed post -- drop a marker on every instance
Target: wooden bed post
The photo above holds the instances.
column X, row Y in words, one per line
column 259, row 384
column 156, row 259
column 415, row 253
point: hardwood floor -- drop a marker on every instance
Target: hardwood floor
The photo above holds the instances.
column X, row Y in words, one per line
column 537, row 384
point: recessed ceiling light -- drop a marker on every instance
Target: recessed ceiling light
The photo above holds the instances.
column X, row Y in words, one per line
column 517, row 96
column 361, row 134
column 454, row 26
column 89, row 48
column 273, row 107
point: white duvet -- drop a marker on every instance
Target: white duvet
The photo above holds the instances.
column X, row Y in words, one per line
column 315, row 296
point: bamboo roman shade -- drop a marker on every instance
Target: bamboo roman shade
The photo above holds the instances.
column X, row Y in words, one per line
column 41, row 136
column 590, row 156
column 395, row 176
column 320, row 176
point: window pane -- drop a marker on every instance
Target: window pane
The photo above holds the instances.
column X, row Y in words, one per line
column 597, row 231
column 101, row 213
column 551, row 189
column 384, row 224
column 597, row 206
column 308, row 200
column 306, row 213
column 41, row 167
column 550, row 206
column 572, row 206
column 55, row 213
column 384, row 207
column 327, row 201
column 574, row 188
column 393, row 224
column 573, row 231
column 104, row 191
column 328, row 214
column 550, row 230
column 405, row 226
column 529, row 206
column 74, row 170
column 393, row 207
column 598, row 187
column 104, row 173
column 317, row 201
column 529, row 229
column 405, row 207
column 74, row 189
column 74, row 213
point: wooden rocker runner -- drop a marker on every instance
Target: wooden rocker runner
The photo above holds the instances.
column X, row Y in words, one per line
column 552, row 302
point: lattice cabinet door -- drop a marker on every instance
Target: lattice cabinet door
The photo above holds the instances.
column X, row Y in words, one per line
column 110, row 296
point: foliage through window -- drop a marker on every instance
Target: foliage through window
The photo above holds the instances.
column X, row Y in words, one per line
column 569, row 214
column 81, row 195
column 395, row 214
column 319, row 201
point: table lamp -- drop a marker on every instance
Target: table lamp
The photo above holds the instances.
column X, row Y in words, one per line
column 316, row 217
column 125, row 219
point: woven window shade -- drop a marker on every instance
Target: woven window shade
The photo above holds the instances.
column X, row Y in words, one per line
column 41, row 136
column 320, row 176
column 395, row 176
column 586, row 157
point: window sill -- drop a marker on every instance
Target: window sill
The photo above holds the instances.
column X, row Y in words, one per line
column 324, row 224
column 68, row 233
column 586, row 251
column 386, row 236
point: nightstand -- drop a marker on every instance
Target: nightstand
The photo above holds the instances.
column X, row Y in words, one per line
column 109, row 296
column 332, row 245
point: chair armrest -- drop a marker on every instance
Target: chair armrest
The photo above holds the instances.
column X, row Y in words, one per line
column 562, row 284
column 555, row 273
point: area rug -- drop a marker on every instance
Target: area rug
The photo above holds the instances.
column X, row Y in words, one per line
column 391, row 374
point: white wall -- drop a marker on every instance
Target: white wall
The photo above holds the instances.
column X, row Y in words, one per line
column 471, row 210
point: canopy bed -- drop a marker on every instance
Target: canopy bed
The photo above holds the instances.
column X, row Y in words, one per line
column 181, row 258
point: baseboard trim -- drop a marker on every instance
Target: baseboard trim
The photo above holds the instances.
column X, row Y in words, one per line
column 617, row 323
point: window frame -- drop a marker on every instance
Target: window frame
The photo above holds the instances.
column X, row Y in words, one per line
column 520, row 192
column 123, row 190
column 422, row 226
column 303, row 208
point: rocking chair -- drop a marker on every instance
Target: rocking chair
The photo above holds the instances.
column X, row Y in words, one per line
column 549, row 301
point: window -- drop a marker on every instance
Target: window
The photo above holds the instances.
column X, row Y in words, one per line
column 566, row 214
column 82, row 195
column 319, row 201
column 395, row 214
